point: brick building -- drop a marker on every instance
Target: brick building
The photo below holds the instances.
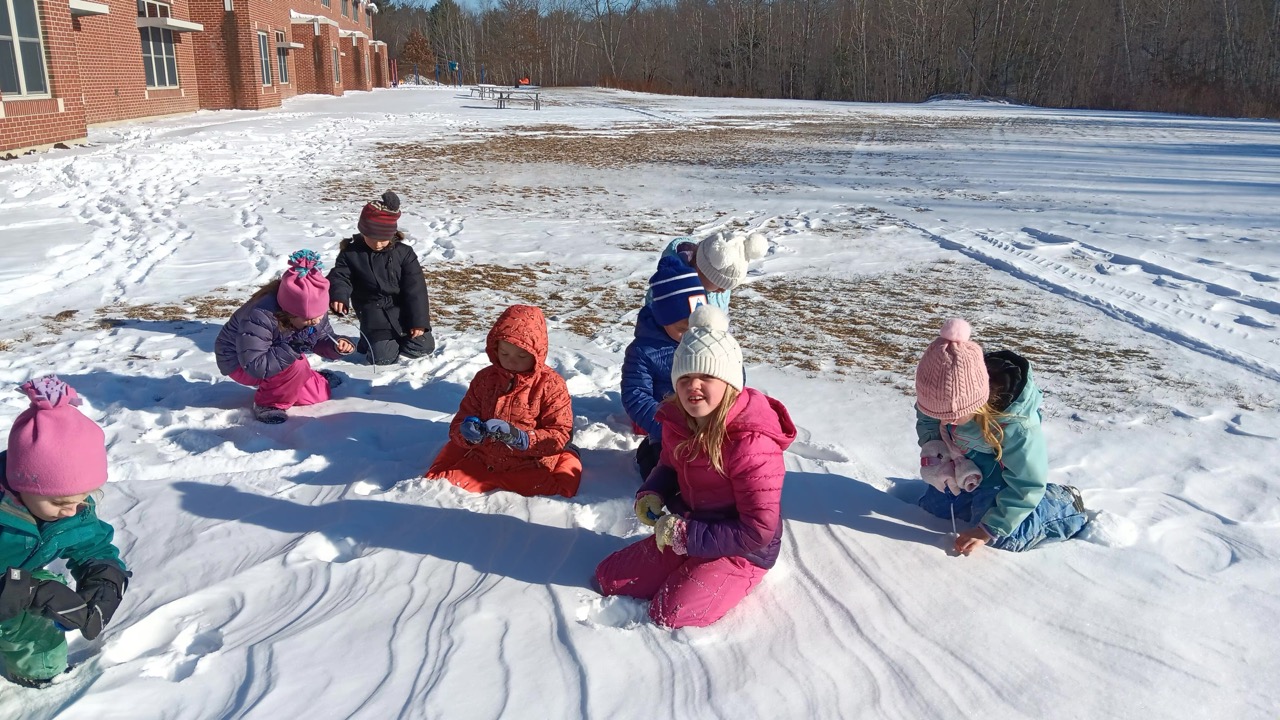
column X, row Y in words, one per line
column 68, row 64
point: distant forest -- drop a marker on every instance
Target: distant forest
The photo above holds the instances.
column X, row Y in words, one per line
column 1207, row 57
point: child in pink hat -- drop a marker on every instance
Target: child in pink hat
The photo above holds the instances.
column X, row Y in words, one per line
column 982, row 447
column 265, row 343
column 55, row 460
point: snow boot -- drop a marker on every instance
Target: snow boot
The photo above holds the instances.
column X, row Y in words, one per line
column 270, row 415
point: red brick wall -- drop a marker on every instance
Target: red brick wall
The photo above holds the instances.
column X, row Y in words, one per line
column 111, row 72
column 95, row 72
column 27, row 123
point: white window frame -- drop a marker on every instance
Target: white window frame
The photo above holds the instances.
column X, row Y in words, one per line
column 282, row 58
column 346, row 12
column 337, row 66
column 326, row 3
column 368, row 20
column 355, row 11
column 264, row 55
column 15, row 41
column 166, row 62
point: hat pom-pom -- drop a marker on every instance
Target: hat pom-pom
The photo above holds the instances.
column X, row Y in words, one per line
column 391, row 201
column 956, row 330
column 755, row 246
column 709, row 317
column 50, row 392
column 304, row 261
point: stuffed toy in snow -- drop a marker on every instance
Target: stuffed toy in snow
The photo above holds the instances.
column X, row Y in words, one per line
column 947, row 473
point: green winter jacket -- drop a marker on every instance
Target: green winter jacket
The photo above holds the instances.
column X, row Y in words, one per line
column 1024, row 466
column 82, row 539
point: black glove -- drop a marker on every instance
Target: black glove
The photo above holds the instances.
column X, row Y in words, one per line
column 65, row 607
column 16, row 588
column 102, row 586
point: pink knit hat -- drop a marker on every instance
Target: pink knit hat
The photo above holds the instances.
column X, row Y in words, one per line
column 54, row 449
column 951, row 379
column 304, row 291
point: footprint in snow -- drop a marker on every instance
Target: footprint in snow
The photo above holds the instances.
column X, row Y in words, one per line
column 615, row 612
column 170, row 648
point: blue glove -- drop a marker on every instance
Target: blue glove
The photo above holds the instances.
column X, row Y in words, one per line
column 502, row 431
column 472, row 429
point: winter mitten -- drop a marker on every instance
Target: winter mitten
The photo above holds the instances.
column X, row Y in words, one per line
column 64, row 607
column 16, row 588
column 472, row 429
column 504, row 432
column 102, row 586
column 968, row 476
column 670, row 531
column 331, row 377
column 649, row 508
column 936, row 466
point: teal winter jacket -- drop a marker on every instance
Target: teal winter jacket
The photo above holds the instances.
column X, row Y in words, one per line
column 1024, row 465
column 82, row 539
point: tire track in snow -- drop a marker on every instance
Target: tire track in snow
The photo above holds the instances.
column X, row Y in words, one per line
column 1040, row 270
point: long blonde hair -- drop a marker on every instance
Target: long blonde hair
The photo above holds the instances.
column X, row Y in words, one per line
column 988, row 419
column 710, row 437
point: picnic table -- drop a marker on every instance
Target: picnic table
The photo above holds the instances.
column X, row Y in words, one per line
column 484, row 90
column 506, row 95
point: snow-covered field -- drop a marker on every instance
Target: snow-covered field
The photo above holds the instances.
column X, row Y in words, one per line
column 305, row 570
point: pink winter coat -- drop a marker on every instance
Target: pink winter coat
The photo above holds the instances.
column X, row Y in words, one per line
column 737, row 513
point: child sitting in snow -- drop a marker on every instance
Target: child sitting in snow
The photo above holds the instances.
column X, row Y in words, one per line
column 379, row 277
column 982, row 447
column 646, row 367
column 720, row 476
column 720, row 259
column 56, row 460
column 265, row 343
column 513, row 427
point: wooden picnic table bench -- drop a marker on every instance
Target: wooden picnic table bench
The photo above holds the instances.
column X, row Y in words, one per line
column 484, row 90
column 505, row 95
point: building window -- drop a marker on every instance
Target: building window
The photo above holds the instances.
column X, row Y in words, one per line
column 282, row 58
column 368, row 19
column 345, row 11
column 325, row 3
column 337, row 67
column 158, row 59
column 22, row 70
column 264, row 54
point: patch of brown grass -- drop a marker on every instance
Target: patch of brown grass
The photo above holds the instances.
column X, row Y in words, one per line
column 880, row 324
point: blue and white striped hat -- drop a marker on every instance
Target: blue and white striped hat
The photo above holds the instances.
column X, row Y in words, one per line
column 676, row 291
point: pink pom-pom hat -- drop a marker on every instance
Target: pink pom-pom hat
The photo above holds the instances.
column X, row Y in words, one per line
column 951, row 379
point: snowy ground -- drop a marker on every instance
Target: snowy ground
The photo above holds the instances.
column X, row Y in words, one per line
column 305, row 570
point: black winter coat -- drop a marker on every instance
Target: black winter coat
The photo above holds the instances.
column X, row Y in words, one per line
column 386, row 289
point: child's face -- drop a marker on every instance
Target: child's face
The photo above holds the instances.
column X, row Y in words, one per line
column 700, row 395
column 676, row 330
column 52, row 507
column 300, row 323
column 513, row 359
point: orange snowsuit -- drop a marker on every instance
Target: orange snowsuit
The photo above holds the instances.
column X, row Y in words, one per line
column 536, row 401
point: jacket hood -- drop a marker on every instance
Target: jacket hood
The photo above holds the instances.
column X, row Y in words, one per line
column 753, row 412
column 523, row 326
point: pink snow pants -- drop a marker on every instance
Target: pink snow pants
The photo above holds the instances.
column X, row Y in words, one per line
column 297, row 384
column 685, row 591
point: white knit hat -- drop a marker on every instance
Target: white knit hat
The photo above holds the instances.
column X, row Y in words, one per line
column 723, row 257
column 707, row 348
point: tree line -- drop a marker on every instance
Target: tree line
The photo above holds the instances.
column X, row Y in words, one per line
column 1210, row 57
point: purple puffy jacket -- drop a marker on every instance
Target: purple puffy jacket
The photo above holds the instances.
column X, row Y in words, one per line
column 739, row 512
column 253, row 340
